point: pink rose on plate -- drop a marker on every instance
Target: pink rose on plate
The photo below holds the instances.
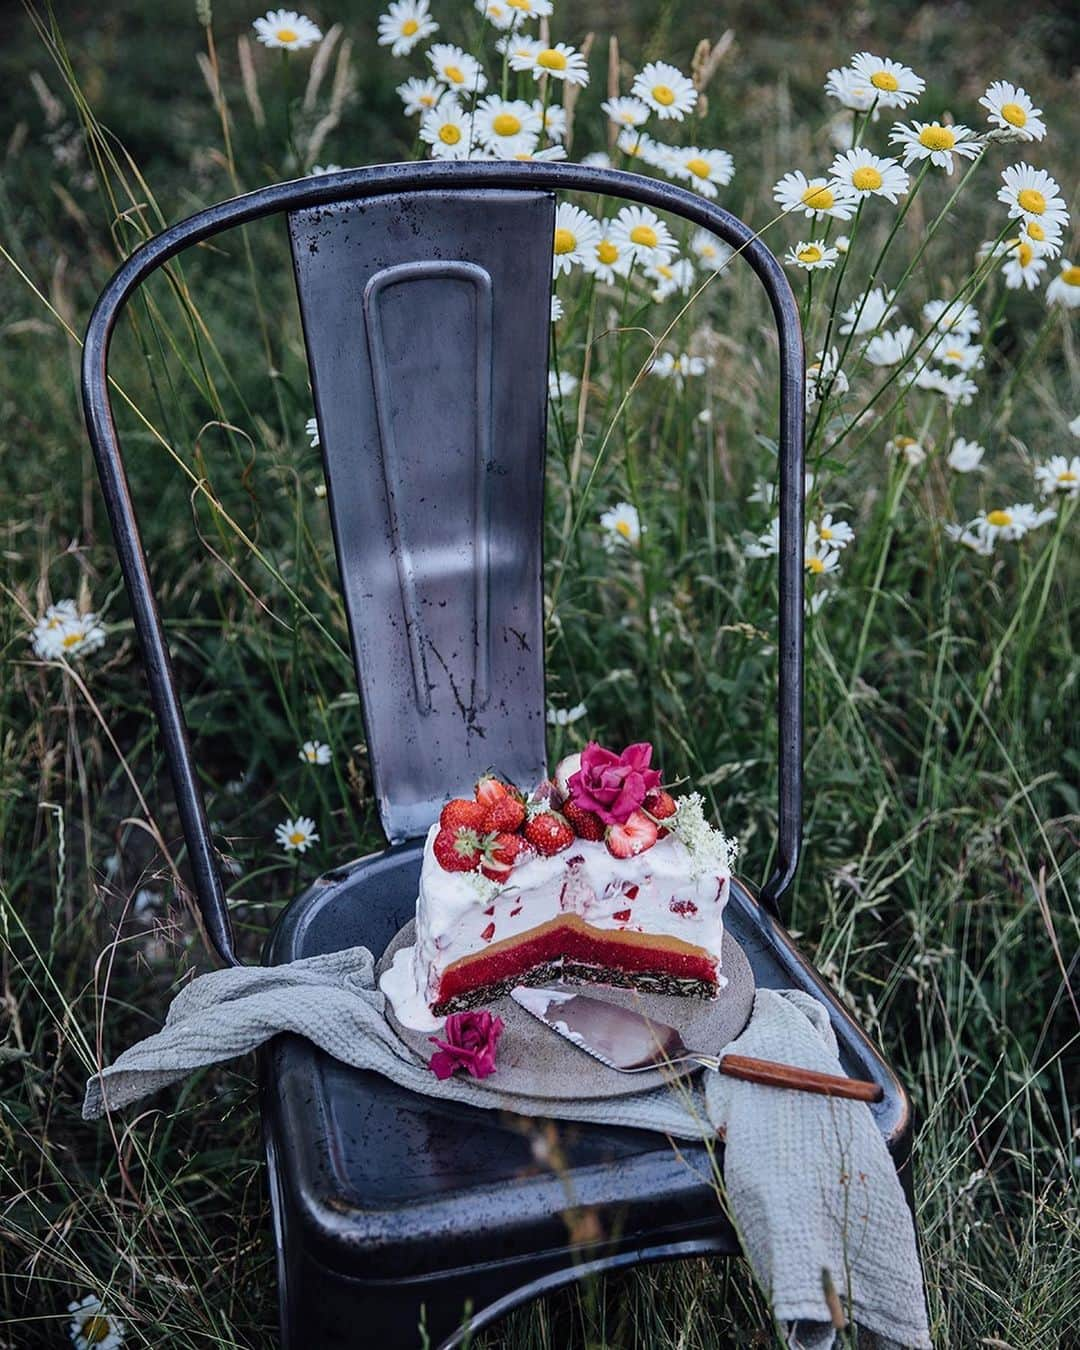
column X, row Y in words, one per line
column 470, row 1042
column 614, row 786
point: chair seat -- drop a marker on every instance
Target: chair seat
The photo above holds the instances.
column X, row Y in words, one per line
column 375, row 1184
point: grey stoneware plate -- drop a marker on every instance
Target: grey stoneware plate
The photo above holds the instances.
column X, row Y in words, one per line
column 534, row 1061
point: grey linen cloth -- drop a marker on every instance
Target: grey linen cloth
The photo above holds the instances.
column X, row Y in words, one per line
column 809, row 1181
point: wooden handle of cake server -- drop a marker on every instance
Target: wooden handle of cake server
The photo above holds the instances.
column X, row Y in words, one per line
column 802, row 1080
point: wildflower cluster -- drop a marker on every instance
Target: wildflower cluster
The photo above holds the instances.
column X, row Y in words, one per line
column 63, row 634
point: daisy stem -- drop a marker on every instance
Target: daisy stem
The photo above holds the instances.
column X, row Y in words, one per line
column 809, row 299
column 1024, row 646
column 1042, row 333
column 825, row 390
column 286, row 78
column 879, row 571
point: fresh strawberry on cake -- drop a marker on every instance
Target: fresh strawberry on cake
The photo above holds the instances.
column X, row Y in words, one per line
column 600, row 875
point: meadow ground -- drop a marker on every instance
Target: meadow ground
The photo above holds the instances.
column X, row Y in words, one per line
column 938, row 886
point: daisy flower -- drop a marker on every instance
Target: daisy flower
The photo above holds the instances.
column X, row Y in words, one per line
column 812, row 256
column 561, row 62
column 1065, row 287
column 420, row 95
column 497, row 12
column 711, row 253
column 447, row 128
column 957, row 390
column 564, row 717
column 1044, row 236
column 1010, row 522
column 958, row 352
column 671, row 367
column 765, row 489
column 852, row 90
column 665, row 89
column 964, row 456
column 1023, row 267
column 670, row 277
column 576, row 236
column 869, row 175
column 868, row 313
column 296, row 836
column 960, row 321
column 642, row 234
column 1059, row 474
column 702, row 169
column 842, row 131
column 843, row 243
column 963, row 534
column 404, row 24
column 552, row 118
column 91, row 1327
column 315, row 752
column 531, row 9
column 556, row 309
column 561, row 385
column 1032, row 195
column 895, row 85
column 907, row 448
column 317, row 170
column 598, row 159
column 621, row 525
column 886, row 349
column 820, row 559
column 640, row 145
column 311, row 431
column 62, row 633
column 1074, row 426
column 516, row 44
column 825, row 378
column 626, row 112
column 286, row 29
column 552, row 152
column 815, row 196
column 507, row 126
column 607, row 260
column 767, row 544
column 1011, row 109
column 932, row 141
column 836, row 533
column 459, row 71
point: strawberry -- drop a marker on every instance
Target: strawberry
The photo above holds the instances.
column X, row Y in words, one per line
column 505, row 816
column 489, row 789
column 586, row 824
column 549, row 833
column 621, row 916
column 631, row 838
column 564, row 771
column 660, row 805
column 460, row 811
column 457, row 850
column 501, row 852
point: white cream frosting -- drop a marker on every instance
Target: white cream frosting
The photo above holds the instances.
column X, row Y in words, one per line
column 679, row 894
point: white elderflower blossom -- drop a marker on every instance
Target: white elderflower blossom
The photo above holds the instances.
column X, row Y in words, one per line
column 1059, row 474
column 706, row 845
column 815, row 196
column 621, row 525
column 315, row 752
column 937, row 143
column 813, row 256
column 889, row 348
column 1065, row 287
column 296, row 836
column 1012, row 110
column 964, row 456
column 665, row 89
column 895, row 85
column 405, row 23
column 870, row 175
column 286, row 29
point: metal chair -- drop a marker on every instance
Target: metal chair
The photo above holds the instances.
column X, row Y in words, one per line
column 424, row 292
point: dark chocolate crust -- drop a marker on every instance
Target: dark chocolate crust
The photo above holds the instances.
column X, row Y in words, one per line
column 577, row 972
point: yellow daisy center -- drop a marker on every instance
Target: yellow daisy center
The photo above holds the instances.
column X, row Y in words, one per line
column 700, row 168
column 1024, row 253
column 297, row 837
column 550, row 59
column 810, row 254
column 954, row 354
column 825, row 533
column 409, row 27
column 663, row 93
column 707, row 251
column 937, row 138
column 606, row 251
column 282, row 35
column 815, row 565
column 525, row 5
column 565, row 241
column 1031, row 199
column 882, row 79
column 1071, row 276
column 818, row 198
column 506, row 124
column 623, row 527
column 1014, row 114
column 95, row 1330
column 449, row 134
column 664, row 271
column 1035, row 231
column 72, row 640
column 866, row 179
column 999, row 518
column 454, row 74
column 1067, row 476
column 644, row 235
column 902, row 442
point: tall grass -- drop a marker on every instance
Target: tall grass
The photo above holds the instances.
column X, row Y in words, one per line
column 938, row 889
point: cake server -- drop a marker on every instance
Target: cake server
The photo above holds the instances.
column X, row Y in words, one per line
column 631, row 1043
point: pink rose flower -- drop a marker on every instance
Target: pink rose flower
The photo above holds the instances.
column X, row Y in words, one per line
column 471, row 1040
column 614, row 786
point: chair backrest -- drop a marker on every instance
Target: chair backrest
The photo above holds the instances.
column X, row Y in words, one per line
column 425, row 295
